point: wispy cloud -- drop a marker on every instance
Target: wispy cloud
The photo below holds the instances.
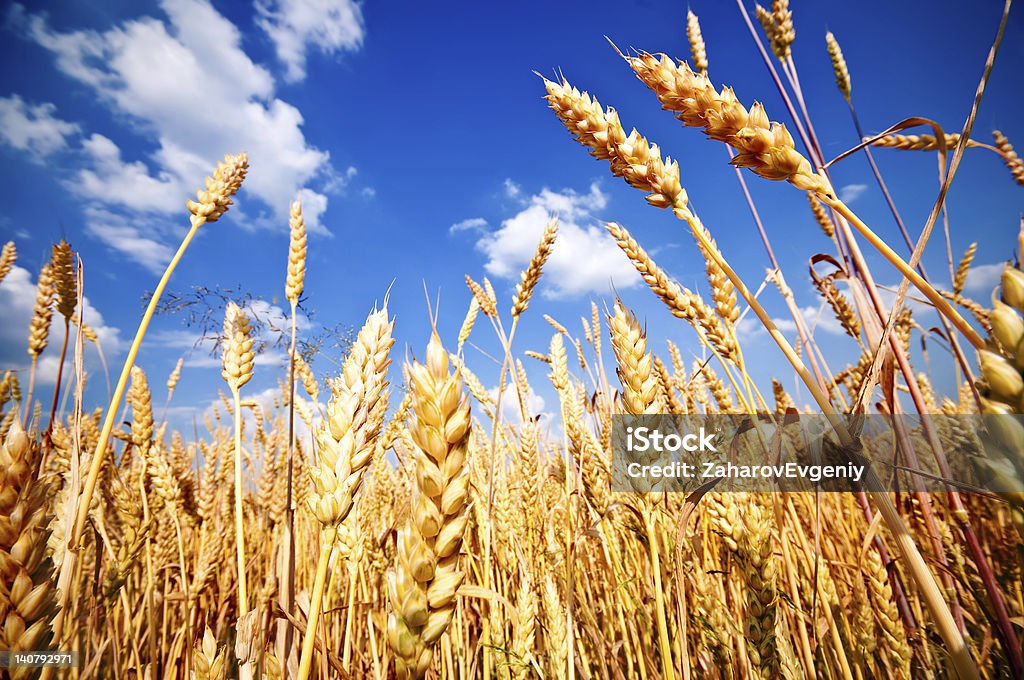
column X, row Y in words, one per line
column 851, row 192
column 127, row 237
column 473, row 223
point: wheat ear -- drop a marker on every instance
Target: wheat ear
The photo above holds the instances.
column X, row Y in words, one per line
column 640, row 391
column 842, row 73
column 346, row 443
column 8, row 254
column 26, row 584
column 1010, row 157
column 423, row 584
column 531, row 275
column 696, row 39
column 39, row 327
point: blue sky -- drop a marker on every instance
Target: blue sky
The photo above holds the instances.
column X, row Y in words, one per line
column 418, row 139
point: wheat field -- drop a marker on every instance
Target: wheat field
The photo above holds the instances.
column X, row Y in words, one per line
column 391, row 519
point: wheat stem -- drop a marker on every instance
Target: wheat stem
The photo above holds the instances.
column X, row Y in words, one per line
column 330, row 533
column 941, row 304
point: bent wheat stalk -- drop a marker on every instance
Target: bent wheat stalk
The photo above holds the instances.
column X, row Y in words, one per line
column 212, row 203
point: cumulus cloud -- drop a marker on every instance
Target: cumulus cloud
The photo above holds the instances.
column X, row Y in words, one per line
column 296, row 26
column 533, row 403
column 584, row 258
column 109, row 179
column 851, row 192
column 983, row 278
column 185, row 82
column 33, row 128
column 17, row 298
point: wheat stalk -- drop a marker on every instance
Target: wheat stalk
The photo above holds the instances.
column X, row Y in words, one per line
column 210, row 205
column 237, row 359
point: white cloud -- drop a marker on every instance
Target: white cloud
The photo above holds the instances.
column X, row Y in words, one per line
column 125, row 236
column 112, row 181
column 472, row 223
column 186, row 83
column 33, row 128
column 983, row 278
column 17, row 299
column 295, row 26
column 818, row 319
column 512, row 190
column 851, row 192
column 584, row 258
column 534, row 403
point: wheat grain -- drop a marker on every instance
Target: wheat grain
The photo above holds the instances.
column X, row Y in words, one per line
column 237, row 348
column 784, row 32
column 347, row 439
column 640, row 392
column 841, row 307
column 468, row 322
